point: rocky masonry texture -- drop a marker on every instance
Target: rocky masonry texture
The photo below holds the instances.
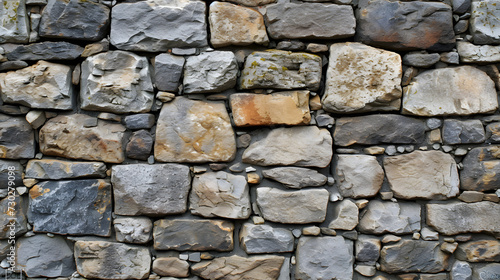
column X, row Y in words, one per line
column 481, row 169
column 12, row 130
column 15, row 23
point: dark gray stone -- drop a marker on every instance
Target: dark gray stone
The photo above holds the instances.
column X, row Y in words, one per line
column 168, row 71
column 258, row 239
column 44, row 51
column 139, row 145
column 291, row 45
column 296, row 177
column 13, row 221
column 12, row 65
column 367, row 249
column 139, row 121
column 423, row 60
column 460, row 6
column 463, row 132
column 78, row 207
column 481, row 169
column 50, row 169
column 17, row 138
column 15, row 169
column 378, row 129
column 14, row 110
column 493, row 132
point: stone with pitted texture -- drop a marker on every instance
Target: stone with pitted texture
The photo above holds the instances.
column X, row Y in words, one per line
column 258, row 239
column 15, row 26
column 236, row 267
column 484, row 21
column 296, row 177
column 478, row 54
column 17, row 138
column 133, row 230
column 390, row 217
column 481, row 170
column 358, row 176
column 52, row 169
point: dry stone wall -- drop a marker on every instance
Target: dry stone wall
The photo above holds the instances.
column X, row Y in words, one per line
column 250, row 139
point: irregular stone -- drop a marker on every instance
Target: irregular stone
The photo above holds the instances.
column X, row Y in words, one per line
column 220, row 194
column 358, row 176
column 17, row 139
column 10, row 171
column 487, row 272
column 479, row 251
column 361, row 78
column 171, row 266
column 291, row 45
column 484, row 22
column 460, row 217
column 168, row 71
column 144, row 189
column 133, row 230
column 77, row 207
column 463, row 132
column 481, row 169
column 390, row 217
column 139, row 121
column 70, row 20
column 252, row 3
column 110, row 260
column 117, row 82
column 214, row 71
column 235, row 25
column 293, row 207
column 281, row 70
column 324, row 258
column 15, row 23
column 165, row 96
column 236, row 267
column 67, row 136
column 43, row 51
column 460, row 6
column 95, row 48
column 193, row 235
column 471, row 196
column 422, row 174
column 36, row 118
column 313, row 230
column 421, row 60
column 378, row 129
column 310, row 21
column 206, row 136
column 43, row 256
column 139, row 145
column 367, row 249
column 461, row 271
column 258, row 239
column 478, row 54
column 346, row 215
column 429, row 235
column 13, row 221
column 306, row 146
column 140, row 26
column 405, row 25
column 51, row 169
column 13, row 65
column 296, row 177
column 317, row 48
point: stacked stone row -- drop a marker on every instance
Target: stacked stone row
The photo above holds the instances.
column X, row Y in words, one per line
column 249, row 139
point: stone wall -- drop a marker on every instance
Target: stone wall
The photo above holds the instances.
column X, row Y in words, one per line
column 250, row 139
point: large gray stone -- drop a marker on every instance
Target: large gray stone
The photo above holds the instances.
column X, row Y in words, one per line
column 235, row 267
column 324, row 258
column 43, row 51
column 345, row 215
column 17, row 138
column 461, row 271
column 78, row 207
column 258, row 239
column 143, row 189
column 296, row 177
column 390, row 217
column 486, row 272
column 463, row 132
column 168, row 71
column 484, row 21
column 481, row 170
column 147, row 25
column 10, row 171
column 133, row 229
column 117, row 82
column 51, row 169
column 306, row 146
column 471, row 53
column 13, row 221
column 15, row 27
column 358, row 176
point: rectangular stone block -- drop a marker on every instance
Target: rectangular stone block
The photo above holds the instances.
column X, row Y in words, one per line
column 17, row 138
column 15, row 26
column 51, row 169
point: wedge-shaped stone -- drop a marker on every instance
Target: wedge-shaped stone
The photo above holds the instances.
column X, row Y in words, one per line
column 13, row 220
column 461, row 91
column 478, row 54
column 479, row 251
column 296, row 177
column 460, row 217
column 236, row 267
column 194, row 131
column 258, row 239
column 143, row 189
column 43, row 51
column 15, row 26
column 484, row 21
column 79, row 207
column 17, row 138
column 168, row 71
column 293, row 207
column 422, row 174
column 111, row 260
column 72, row 136
column 288, row 108
column 44, row 85
column 281, row 70
column 358, row 176
column 193, row 235
column 51, row 169
column 117, row 82
column 305, row 146
column 361, row 78
column 481, row 170
column 390, row 217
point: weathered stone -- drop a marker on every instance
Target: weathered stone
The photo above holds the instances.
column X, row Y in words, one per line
column 141, row 26
column 486, row 272
column 460, row 217
column 358, row 176
column 367, row 249
column 71, row 20
column 258, row 239
column 405, row 25
column 143, row 189
column 296, row 177
column 95, row 48
column 378, row 129
column 206, row 135
column 479, row 251
column 422, row 174
column 236, row 267
column 310, row 21
column 139, row 145
column 288, row 108
column 345, row 215
column 281, row 70
column 324, row 258
column 67, row 136
column 252, row 3
column 139, row 121
column 116, row 82
column 481, row 170
column 220, row 194
column 493, row 132
column 291, row 45
column 413, row 256
column 43, row 51
column 110, row 260
column 484, row 22
column 460, row 6
column 390, row 217
column 210, row 72
column 168, row 71
column 77, row 207
column 13, row 65
column 43, row 256
column 193, row 235
column 461, row 271
column 13, row 221
column 471, row 196
column 17, row 139
column 36, row 118
column 165, row 96
column 478, row 54
column 235, row 25
column 463, row 132
column 51, row 169
column 171, row 266
column 10, row 171
column 15, row 22
column 133, row 230
column 306, row 146
column 293, row 207
column 361, row 78
column 422, row 60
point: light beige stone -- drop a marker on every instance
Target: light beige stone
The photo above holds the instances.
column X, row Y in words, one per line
column 238, row 268
column 346, row 215
column 358, row 175
column 171, row 266
column 471, row 53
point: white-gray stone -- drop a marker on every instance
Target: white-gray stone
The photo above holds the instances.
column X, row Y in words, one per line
column 486, row 272
column 168, row 71
column 51, row 169
column 296, row 177
column 461, row 271
column 358, row 176
column 471, row 53
column 133, row 230
column 258, row 239
column 484, row 22
column 15, row 26
column 390, row 217
column 345, row 215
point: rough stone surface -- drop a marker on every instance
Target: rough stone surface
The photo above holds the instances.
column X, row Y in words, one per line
column 484, row 21
column 493, row 132
column 206, row 135
column 367, row 249
column 139, row 121
column 479, row 251
column 345, row 215
column 168, row 71
column 463, row 90
column 15, row 22
column 463, row 132
column 117, row 82
column 390, row 217
column 324, row 258
column 110, row 260
column 358, row 176
column 486, row 272
column 139, row 145
column 78, row 207
column 133, row 230
column 193, row 235
column 13, row 221
column 258, row 239
column 281, row 70
column 51, row 169
column 17, row 138
column 296, row 177
column 44, row 51
column 236, row 267
column 293, row 207
column 141, row 26
column 252, row 3
column 478, row 54
column 9, row 168
column 422, row 175
column 461, row 271
column 143, row 189
column 171, row 266
column 481, row 170
column 306, row 146
column 422, row 60
column 361, row 78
